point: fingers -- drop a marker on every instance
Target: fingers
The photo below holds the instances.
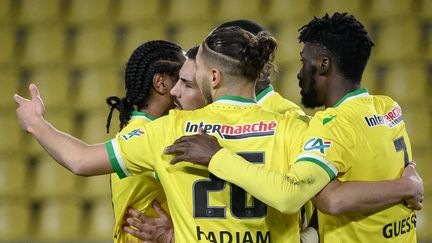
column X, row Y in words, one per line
column 19, row 99
column 179, row 148
column 136, row 233
column 137, row 214
column 179, row 158
column 34, row 91
column 159, row 210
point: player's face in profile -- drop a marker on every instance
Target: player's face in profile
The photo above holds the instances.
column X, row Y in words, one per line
column 308, row 79
column 187, row 95
column 203, row 77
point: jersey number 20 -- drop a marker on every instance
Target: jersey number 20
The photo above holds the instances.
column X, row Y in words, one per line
column 238, row 197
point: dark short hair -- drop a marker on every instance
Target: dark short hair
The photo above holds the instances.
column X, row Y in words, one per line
column 344, row 39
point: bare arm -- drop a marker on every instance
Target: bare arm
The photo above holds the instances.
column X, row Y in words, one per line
column 366, row 196
column 72, row 153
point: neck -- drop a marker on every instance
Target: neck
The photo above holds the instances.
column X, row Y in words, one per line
column 338, row 89
column 155, row 109
column 241, row 89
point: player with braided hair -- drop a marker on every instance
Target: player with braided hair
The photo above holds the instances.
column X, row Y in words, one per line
column 203, row 208
column 151, row 72
column 151, row 58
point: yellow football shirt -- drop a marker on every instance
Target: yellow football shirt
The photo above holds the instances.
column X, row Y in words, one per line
column 135, row 191
column 273, row 101
column 203, row 207
column 362, row 138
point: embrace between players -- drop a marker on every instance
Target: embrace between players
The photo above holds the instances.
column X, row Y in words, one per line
column 235, row 161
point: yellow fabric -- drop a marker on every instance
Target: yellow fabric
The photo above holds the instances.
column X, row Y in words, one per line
column 289, row 190
column 135, row 191
column 358, row 139
column 203, row 207
column 273, row 101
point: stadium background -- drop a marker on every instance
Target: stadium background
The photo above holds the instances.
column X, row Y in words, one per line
column 75, row 51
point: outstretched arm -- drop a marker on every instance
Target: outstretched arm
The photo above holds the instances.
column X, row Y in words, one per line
column 353, row 197
column 303, row 181
column 75, row 155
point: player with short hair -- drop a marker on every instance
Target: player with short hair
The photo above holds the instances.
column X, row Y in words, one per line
column 227, row 213
column 359, row 137
column 213, row 81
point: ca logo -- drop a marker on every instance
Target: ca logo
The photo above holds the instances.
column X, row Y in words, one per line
column 317, row 144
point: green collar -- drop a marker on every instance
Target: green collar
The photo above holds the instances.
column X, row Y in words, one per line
column 260, row 97
column 140, row 114
column 234, row 100
column 357, row 93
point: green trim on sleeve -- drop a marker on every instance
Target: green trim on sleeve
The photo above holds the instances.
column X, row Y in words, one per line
column 320, row 164
column 113, row 159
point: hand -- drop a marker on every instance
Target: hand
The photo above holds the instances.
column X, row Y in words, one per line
column 150, row 229
column 29, row 112
column 410, row 176
column 198, row 149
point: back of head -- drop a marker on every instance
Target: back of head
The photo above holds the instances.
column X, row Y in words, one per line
column 148, row 59
column 240, row 53
column 245, row 24
column 344, row 39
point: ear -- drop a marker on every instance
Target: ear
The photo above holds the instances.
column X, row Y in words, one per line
column 216, row 78
column 324, row 65
column 159, row 83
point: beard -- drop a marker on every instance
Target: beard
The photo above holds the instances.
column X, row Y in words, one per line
column 310, row 97
column 206, row 92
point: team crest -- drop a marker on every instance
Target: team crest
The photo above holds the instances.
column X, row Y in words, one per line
column 317, row 145
column 135, row 133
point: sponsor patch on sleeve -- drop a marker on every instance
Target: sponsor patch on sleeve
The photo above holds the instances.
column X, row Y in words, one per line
column 317, row 145
column 134, row 133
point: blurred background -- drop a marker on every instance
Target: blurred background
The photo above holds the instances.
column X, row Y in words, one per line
column 75, row 51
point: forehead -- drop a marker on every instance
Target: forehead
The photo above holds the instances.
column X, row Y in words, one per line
column 307, row 50
column 188, row 69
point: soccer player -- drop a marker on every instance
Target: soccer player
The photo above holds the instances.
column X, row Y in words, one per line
column 187, row 96
column 358, row 137
column 150, row 74
column 203, row 208
column 266, row 96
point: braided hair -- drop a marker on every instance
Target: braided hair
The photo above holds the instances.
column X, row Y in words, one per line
column 147, row 60
column 344, row 39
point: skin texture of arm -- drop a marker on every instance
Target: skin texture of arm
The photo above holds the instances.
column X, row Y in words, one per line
column 75, row 155
column 336, row 198
column 368, row 196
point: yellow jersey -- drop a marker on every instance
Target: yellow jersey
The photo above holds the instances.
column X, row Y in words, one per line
column 203, row 207
column 273, row 101
column 135, row 191
column 362, row 138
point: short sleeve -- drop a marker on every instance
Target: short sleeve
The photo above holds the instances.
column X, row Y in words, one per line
column 138, row 151
column 327, row 146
